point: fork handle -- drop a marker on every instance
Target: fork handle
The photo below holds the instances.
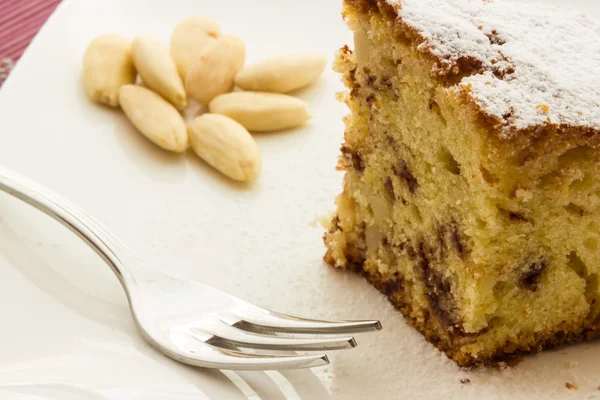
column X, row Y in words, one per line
column 69, row 215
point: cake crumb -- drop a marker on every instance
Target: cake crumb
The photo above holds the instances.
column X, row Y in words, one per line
column 465, row 381
column 524, row 195
column 571, row 386
column 322, row 220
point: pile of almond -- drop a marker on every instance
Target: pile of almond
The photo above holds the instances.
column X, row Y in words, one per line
column 206, row 66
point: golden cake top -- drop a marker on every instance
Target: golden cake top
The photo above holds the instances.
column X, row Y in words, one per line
column 524, row 65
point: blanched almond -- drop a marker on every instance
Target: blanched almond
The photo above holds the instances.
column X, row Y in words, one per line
column 154, row 117
column 225, row 145
column 215, row 70
column 188, row 40
column 362, row 47
column 282, row 74
column 262, row 112
column 107, row 66
column 158, row 70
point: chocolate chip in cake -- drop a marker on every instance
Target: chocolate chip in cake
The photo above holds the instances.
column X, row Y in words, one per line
column 457, row 240
column 356, row 267
column 515, row 216
column 404, row 173
column 531, row 278
column 441, row 241
column 391, row 88
column 353, row 158
column 438, row 289
column 465, row 381
column 389, row 139
column 410, row 250
column 393, row 285
column 371, row 80
column 388, row 184
column 387, row 82
column 352, row 76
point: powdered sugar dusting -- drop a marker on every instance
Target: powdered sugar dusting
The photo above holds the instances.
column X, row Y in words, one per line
column 528, row 64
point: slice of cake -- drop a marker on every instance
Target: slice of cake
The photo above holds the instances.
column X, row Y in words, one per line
column 472, row 195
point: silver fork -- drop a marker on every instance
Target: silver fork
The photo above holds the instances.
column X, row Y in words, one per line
column 188, row 321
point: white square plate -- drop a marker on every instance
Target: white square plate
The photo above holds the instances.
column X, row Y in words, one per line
column 65, row 329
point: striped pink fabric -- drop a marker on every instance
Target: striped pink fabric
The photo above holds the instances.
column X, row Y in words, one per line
column 20, row 20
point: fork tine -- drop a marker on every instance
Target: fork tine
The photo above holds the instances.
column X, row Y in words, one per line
column 198, row 353
column 222, row 333
column 260, row 320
